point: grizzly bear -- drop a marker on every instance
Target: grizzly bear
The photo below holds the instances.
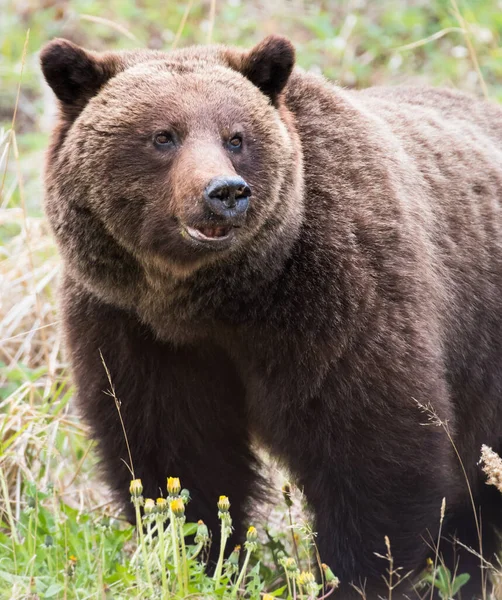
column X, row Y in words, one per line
column 260, row 255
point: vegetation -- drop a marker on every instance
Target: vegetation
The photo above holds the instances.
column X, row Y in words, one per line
column 59, row 535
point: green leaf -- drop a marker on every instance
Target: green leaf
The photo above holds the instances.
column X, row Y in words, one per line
column 459, row 581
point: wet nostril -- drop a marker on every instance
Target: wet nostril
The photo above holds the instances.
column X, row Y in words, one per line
column 221, row 192
column 228, row 193
column 242, row 191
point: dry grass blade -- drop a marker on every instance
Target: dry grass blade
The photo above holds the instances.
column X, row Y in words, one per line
column 212, row 17
column 14, row 115
column 182, row 24
column 472, row 52
column 102, row 21
column 431, row 38
column 112, row 393
column 435, row 420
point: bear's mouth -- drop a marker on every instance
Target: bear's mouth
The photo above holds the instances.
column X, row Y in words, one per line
column 213, row 233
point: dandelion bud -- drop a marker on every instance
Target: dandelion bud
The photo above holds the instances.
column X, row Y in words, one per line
column 290, row 565
column 307, row 580
column 331, row 580
column 70, row 567
column 185, row 495
column 267, row 597
column 233, row 559
column 162, row 505
column 173, row 486
column 286, row 492
column 178, row 507
column 149, row 506
column 202, row 535
column 223, row 504
column 251, row 540
column 304, row 578
column 136, row 488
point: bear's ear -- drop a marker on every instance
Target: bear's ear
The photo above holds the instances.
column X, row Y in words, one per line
column 74, row 74
column 269, row 64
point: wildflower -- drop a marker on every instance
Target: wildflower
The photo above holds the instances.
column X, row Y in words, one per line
column 70, row 567
column 232, row 563
column 233, row 559
column 173, row 486
column 492, row 466
column 307, row 580
column 252, row 534
column 223, row 504
column 304, row 578
column 161, row 505
column 267, row 597
column 178, row 507
column 286, row 492
column 290, row 565
column 331, row 580
column 251, row 539
column 136, row 488
column 202, row 535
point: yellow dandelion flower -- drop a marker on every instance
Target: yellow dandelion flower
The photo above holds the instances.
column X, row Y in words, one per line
column 178, row 507
column 252, row 534
column 173, row 486
column 136, row 488
column 224, row 504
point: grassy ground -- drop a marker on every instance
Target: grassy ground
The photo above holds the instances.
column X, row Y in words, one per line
column 59, row 537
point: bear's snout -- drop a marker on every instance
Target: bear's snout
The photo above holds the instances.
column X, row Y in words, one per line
column 227, row 196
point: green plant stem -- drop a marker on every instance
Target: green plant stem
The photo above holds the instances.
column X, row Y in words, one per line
column 197, row 551
column 143, row 546
column 176, row 556
column 295, row 545
column 288, row 581
column 223, row 543
column 241, row 574
column 184, row 559
column 160, row 527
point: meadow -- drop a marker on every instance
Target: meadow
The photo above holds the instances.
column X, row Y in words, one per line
column 60, row 536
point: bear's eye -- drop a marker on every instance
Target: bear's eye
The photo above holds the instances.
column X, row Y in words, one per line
column 235, row 142
column 163, row 139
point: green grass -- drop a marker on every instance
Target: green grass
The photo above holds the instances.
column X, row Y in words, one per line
column 60, row 537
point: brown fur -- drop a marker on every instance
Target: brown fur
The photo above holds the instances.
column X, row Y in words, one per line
column 364, row 284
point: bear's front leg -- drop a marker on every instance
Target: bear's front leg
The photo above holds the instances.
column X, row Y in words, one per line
column 371, row 465
column 182, row 408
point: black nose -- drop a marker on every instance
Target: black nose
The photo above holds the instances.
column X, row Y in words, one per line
column 227, row 196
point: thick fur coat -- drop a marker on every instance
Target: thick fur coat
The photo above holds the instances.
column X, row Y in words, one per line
column 355, row 303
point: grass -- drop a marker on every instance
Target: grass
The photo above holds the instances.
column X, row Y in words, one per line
column 59, row 535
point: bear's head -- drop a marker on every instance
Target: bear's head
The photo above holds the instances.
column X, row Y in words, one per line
column 179, row 159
